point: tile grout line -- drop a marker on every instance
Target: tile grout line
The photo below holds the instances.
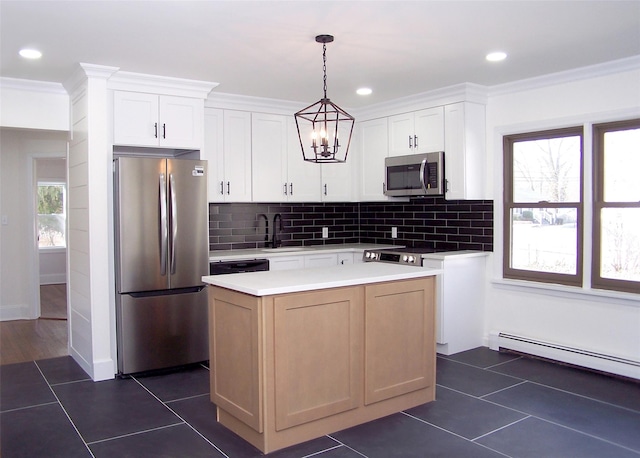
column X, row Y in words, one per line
column 135, row 433
column 17, row 409
column 500, row 428
column 345, row 445
column 176, row 414
column 64, row 410
column 453, row 433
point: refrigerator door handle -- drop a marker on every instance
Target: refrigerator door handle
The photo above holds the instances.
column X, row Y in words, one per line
column 162, row 201
column 174, row 221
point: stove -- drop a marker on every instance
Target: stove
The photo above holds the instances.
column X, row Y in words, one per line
column 404, row 256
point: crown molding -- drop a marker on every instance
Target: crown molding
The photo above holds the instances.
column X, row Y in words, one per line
column 139, row 82
column 84, row 71
column 573, row 75
column 32, row 86
column 465, row 92
column 248, row 103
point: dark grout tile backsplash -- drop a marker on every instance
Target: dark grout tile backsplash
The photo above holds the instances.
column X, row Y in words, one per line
column 430, row 222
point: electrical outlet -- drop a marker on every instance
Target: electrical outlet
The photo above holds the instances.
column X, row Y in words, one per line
column 394, row 232
column 325, row 232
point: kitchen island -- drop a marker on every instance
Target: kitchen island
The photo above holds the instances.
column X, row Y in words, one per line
column 295, row 355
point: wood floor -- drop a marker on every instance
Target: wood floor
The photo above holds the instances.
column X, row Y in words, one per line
column 46, row 337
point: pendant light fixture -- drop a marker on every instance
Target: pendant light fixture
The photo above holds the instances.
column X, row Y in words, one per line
column 324, row 129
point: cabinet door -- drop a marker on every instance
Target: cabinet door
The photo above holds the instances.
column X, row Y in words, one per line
column 465, row 147
column 268, row 157
column 236, row 183
column 401, row 134
column 213, row 153
column 320, row 260
column 399, row 338
column 429, row 130
column 135, row 119
column 286, row 263
column 374, row 147
column 346, row 258
column 180, row 122
column 317, row 354
column 303, row 178
column 337, row 178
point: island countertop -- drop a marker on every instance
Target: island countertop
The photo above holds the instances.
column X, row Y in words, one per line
column 291, row 281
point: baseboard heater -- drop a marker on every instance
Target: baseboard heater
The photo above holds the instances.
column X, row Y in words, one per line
column 570, row 355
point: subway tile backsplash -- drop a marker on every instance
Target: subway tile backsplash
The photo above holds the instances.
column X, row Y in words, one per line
column 430, row 222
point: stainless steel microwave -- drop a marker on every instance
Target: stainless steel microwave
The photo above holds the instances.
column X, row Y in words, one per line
column 415, row 175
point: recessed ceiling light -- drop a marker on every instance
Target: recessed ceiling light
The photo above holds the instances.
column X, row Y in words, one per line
column 496, row 56
column 30, row 53
column 364, row 91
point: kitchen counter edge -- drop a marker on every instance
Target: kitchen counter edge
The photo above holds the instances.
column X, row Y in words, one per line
column 269, row 283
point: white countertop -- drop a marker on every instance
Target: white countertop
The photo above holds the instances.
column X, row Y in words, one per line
column 291, row 281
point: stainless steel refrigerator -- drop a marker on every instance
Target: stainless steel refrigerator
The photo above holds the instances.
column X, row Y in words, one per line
column 162, row 247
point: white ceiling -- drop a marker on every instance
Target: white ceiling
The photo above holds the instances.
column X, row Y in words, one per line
column 267, row 48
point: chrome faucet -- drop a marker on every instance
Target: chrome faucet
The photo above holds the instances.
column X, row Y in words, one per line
column 266, row 227
column 275, row 241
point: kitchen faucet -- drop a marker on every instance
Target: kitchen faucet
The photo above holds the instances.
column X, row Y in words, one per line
column 275, row 241
column 266, row 227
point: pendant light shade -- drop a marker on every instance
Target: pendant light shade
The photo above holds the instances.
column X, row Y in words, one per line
column 324, row 129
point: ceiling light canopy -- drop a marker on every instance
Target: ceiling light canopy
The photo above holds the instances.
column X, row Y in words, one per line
column 324, row 129
column 29, row 53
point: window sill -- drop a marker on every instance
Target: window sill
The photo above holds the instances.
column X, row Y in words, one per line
column 52, row 249
column 572, row 292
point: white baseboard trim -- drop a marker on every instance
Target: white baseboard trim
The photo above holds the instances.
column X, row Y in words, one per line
column 15, row 312
column 576, row 356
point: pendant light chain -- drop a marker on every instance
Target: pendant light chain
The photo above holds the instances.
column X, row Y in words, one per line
column 324, row 67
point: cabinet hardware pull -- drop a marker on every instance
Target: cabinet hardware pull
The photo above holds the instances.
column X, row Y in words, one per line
column 410, row 145
column 228, row 187
column 415, row 141
column 222, row 188
column 285, row 189
column 155, row 130
column 290, row 189
column 325, row 189
column 164, row 130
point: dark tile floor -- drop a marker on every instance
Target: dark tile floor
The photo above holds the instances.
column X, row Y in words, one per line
column 488, row 404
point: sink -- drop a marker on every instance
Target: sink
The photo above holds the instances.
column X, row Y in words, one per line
column 284, row 249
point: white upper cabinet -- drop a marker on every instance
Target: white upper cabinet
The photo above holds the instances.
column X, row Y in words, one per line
column 269, row 157
column 417, row 132
column 303, row 177
column 465, row 151
column 227, row 147
column 142, row 119
column 279, row 172
column 337, row 178
column 373, row 148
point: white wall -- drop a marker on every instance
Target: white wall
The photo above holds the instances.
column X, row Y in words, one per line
column 18, row 269
column 33, row 105
column 606, row 323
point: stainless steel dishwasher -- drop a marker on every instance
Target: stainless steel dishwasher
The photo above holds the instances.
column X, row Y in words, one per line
column 234, row 267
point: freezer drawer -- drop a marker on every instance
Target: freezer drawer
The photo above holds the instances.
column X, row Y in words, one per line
column 161, row 331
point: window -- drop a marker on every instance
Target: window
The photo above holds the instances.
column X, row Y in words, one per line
column 616, row 206
column 51, row 215
column 543, row 206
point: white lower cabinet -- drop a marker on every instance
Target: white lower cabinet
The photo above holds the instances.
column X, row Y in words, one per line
column 459, row 302
column 286, row 262
column 320, row 260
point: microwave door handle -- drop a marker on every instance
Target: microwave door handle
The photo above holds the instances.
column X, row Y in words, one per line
column 423, row 171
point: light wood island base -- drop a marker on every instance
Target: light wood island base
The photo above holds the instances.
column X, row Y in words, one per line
column 288, row 368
